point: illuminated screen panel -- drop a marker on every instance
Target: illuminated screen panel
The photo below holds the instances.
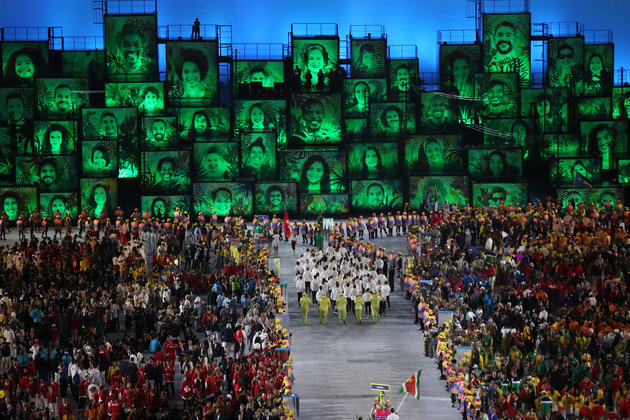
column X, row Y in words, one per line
column 166, row 172
column 391, row 119
column 355, row 128
column 458, row 66
column 315, row 171
column 274, row 197
column 437, row 189
column 18, row 200
column 17, row 106
column 547, row 108
column 49, row 173
column 7, row 154
column 54, row 137
column 50, row 203
column 315, row 119
column 493, row 194
column 508, row 132
column 23, row 62
column 578, row 171
column 193, row 68
column 100, row 158
column 359, row 93
column 376, row 195
column 572, row 196
column 593, row 108
column 598, row 70
column 506, row 45
column 165, row 205
column 233, row 198
column 498, row 94
column 566, row 61
column 147, row 97
column 315, row 204
column 204, row 124
column 605, row 139
column 217, row 161
column 61, row 98
column 267, row 72
column 263, row 115
column 99, row 195
column 560, row 145
column 433, row 154
column 495, row 164
column 160, row 133
column 597, row 196
column 368, row 57
column 623, row 166
column 131, row 47
column 312, row 56
column 372, row 160
column 83, row 64
column 621, row 102
column 403, row 79
column 258, row 156
column 438, row 113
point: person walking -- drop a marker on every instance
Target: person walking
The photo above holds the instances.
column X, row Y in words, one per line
column 342, row 304
column 358, row 307
column 375, row 302
column 324, row 305
column 305, row 303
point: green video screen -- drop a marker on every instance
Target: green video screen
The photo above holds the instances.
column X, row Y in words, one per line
column 54, row 137
column 267, row 72
column 570, row 171
column 355, row 128
column 83, row 64
column 147, row 97
column 165, row 205
column 61, row 98
column 166, row 172
column 217, row 161
column 593, row 108
column 315, row 204
column 587, row 196
column 498, row 94
column 372, row 160
column 495, row 164
column 315, row 119
column 258, row 156
column 493, row 194
column 438, row 113
column 262, row 115
column 160, row 133
column 508, row 132
column 560, row 145
column 605, row 139
column 620, row 102
column 99, row 158
column 17, row 106
column 226, row 198
column 204, row 124
column 376, row 195
column 458, row 66
column 16, row 201
column 193, row 68
column 433, row 154
column 50, row 203
column 438, row 189
column 131, row 47
column 403, row 79
column 99, row 195
column 391, row 119
column 566, row 61
column 49, row 173
column 506, row 45
column 369, row 57
column 547, row 108
column 623, row 168
column 598, row 71
column 359, row 93
column 315, row 171
column 312, row 56
column 23, row 62
column 274, row 197
column 7, row 153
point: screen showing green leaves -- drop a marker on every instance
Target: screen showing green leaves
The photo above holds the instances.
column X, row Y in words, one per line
column 131, row 47
column 506, row 47
column 438, row 189
column 433, row 154
column 50, row 203
column 258, row 156
column 162, row 206
column 217, row 161
column 193, row 68
column 99, row 195
column 372, row 160
column 274, row 197
column 315, row 204
column 315, row 171
column 376, row 195
column 495, row 164
column 368, row 57
column 266, row 72
column 233, row 198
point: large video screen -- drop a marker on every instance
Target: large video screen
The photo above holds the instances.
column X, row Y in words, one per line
column 162, row 206
column 355, row 128
column 16, row 201
column 506, row 45
column 49, row 173
column 621, row 103
column 54, row 137
column 258, row 156
column 438, row 189
column 193, row 69
column 498, row 94
column 315, row 119
column 147, row 97
column 17, row 106
column 316, row 204
column 376, row 195
column 7, row 154
column 23, row 62
column 266, row 72
column 372, row 160
column 605, row 139
column 216, row 161
column 391, row 119
column 495, row 164
column 560, row 145
column 274, row 197
column 433, row 154
column 359, row 93
column 623, row 169
column 403, row 79
column 264, row 115
column 593, row 108
column 99, row 158
column 60, row 98
column 493, row 194
column 508, row 132
column 83, row 64
column 131, row 47
column 99, row 195
column 224, row 198
column 166, row 172
column 598, row 70
column 547, row 108
column 204, row 124
column 369, row 57
column 458, row 66
column 315, row 171
column 576, row 171
column 438, row 113
column 50, row 203
column 566, row 61
column 597, row 196
column 160, row 133
column 313, row 56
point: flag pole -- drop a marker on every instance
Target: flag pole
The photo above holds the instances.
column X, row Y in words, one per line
column 401, row 403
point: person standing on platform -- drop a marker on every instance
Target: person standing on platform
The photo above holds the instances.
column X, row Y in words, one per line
column 358, row 307
column 196, row 29
column 324, row 305
column 304, row 304
column 342, row 304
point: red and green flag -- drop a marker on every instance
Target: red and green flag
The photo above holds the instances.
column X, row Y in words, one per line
column 412, row 385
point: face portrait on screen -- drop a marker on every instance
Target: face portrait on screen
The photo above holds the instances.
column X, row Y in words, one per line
column 158, row 207
column 274, row 198
column 47, row 175
column 256, row 160
column 518, row 132
column 200, row 127
column 315, row 62
column 57, row 205
column 56, row 140
column 375, row 195
column 109, row 126
column 213, row 165
column 498, row 195
column 100, row 158
column 23, row 66
column 222, row 201
column 368, row 57
column 63, row 98
column 601, row 143
column 434, row 154
column 372, row 163
column 314, row 122
column 257, row 118
column 99, row 200
column 15, row 109
column 315, row 175
column 507, row 45
column 259, row 75
column 436, row 113
column 132, row 47
column 462, row 74
column 361, row 96
column 11, row 204
column 565, row 61
column 391, row 119
column 150, row 100
column 192, row 72
column 166, row 170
